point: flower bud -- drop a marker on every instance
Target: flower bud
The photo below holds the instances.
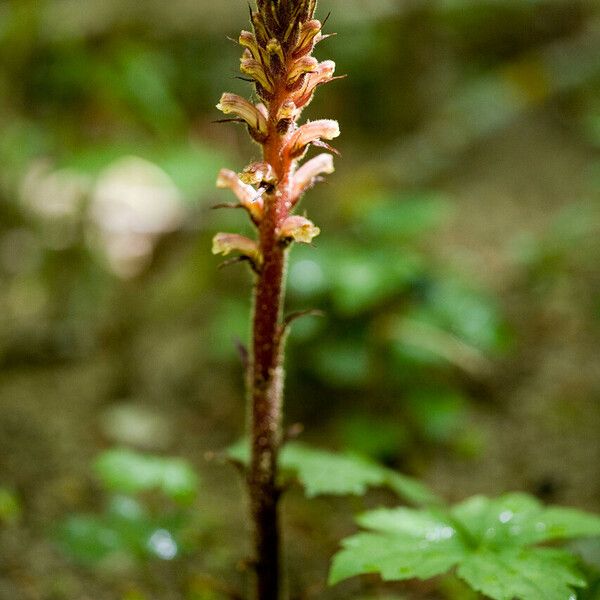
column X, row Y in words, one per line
column 248, row 40
column 274, row 48
column 298, row 229
column 234, row 104
column 306, row 174
column 308, row 34
column 254, row 68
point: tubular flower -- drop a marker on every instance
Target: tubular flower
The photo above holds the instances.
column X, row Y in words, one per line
column 298, row 229
column 306, row 64
column 323, row 73
column 249, row 198
column 305, row 176
column 309, row 36
column 225, row 243
column 234, row 104
column 248, row 40
column 255, row 69
column 311, row 132
column 258, row 173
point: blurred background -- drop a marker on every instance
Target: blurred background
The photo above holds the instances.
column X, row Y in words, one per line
column 457, row 268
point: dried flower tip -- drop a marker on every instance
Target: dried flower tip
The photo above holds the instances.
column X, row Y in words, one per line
column 252, row 67
column 325, row 129
column 309, row 171
column 283, row 17
column 258, row 173
column 225, row 243
column 249, row 198
column 306, row 64
column 308, row 34
column 298, row 229
column 232, row 103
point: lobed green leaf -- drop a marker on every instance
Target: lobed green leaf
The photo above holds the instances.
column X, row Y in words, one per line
column 487, row 539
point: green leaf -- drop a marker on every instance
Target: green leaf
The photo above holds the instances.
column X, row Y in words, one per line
column 530, row 574
column 410, row 489
column 487, row 540
column 327, row 473
column 408, row 543
column 519, row 519
column 131, row 472
column 321, row 472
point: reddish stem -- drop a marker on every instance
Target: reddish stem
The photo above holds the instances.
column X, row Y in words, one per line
column 266, row 382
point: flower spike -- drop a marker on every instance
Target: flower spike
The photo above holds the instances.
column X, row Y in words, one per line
column 277, row 58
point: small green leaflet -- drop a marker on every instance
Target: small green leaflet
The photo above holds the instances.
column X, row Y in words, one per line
column 487, row 540
column 130, row 472
column 322, row 472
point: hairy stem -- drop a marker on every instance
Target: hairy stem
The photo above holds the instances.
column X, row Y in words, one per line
column 267, row 376
column 278, row 58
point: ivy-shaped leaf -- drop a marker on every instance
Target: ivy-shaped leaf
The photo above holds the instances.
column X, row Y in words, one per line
column 321, row 472
column 487, row 540
column 130, row 472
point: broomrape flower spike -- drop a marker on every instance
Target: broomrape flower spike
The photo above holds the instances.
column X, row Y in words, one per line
column 277, row 56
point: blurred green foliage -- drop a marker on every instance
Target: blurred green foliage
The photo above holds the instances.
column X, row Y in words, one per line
column 136, row 525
